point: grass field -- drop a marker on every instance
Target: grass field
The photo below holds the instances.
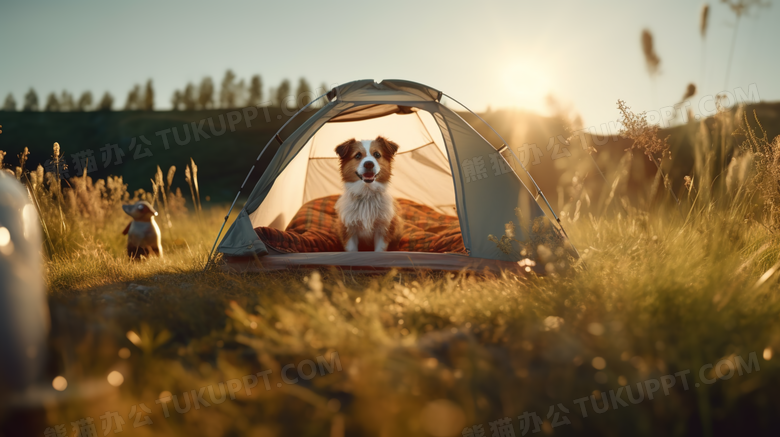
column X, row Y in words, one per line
column 661, row 289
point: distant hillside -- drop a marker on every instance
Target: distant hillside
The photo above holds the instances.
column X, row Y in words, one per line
column 558, row 165
column 223, row 158
column 226, row 155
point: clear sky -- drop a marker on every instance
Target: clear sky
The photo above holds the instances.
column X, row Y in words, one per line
column 484, row 53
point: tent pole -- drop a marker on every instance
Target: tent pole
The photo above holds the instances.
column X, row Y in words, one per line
column 538, row 190
column 277, row 138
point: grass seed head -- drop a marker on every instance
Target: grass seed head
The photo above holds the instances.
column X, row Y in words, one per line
column 690, row 90
column 704, row 19
column 644, row 135
column 648, row 50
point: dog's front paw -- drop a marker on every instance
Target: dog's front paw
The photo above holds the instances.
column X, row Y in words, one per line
column 380, row 245
column 352, row 245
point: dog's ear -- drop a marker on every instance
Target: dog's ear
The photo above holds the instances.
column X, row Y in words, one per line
column 389, row 146
column 343, row 149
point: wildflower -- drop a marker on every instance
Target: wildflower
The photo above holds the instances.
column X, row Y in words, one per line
column 553, row 323
column 643, row 134
column 509, row 230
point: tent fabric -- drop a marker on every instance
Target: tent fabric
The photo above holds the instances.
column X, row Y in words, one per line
column 314, row 172
column 243, row 239
column 442, row 163
column 358, row 262
column 368, row 112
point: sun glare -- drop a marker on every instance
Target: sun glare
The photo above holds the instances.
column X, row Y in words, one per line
column 526, row 83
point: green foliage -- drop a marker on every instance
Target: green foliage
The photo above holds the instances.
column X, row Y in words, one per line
column 9, row 104
column 304, row 94
column 281, row 93
column 227, row 95
column 30, row 101
column 85, row 102
column 255, row 91
column 654, row 293
column 106, row 102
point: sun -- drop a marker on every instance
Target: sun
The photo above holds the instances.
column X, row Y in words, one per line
column 525, row 83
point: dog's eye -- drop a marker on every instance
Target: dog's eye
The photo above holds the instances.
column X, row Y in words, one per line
column 358, row 156
column 377, row 155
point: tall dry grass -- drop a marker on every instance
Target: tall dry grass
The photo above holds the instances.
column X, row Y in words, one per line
column 656, row 292
column 764, row 155
column 426, row 354
column 739, row 8
column 82, row 222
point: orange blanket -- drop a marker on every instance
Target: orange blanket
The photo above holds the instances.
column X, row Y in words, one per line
column 314, row 229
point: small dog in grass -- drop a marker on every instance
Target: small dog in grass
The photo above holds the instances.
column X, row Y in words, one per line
column 143, row 234
column 367, row 212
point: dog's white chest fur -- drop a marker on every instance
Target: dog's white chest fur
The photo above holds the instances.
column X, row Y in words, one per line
column 363, row 208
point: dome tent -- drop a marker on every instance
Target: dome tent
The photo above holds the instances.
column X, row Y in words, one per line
column 442, row 163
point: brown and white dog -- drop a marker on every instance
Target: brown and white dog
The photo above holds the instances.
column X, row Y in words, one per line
column 367, row 212
column 143, row 234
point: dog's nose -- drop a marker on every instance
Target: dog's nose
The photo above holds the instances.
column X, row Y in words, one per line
column 368, row 165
